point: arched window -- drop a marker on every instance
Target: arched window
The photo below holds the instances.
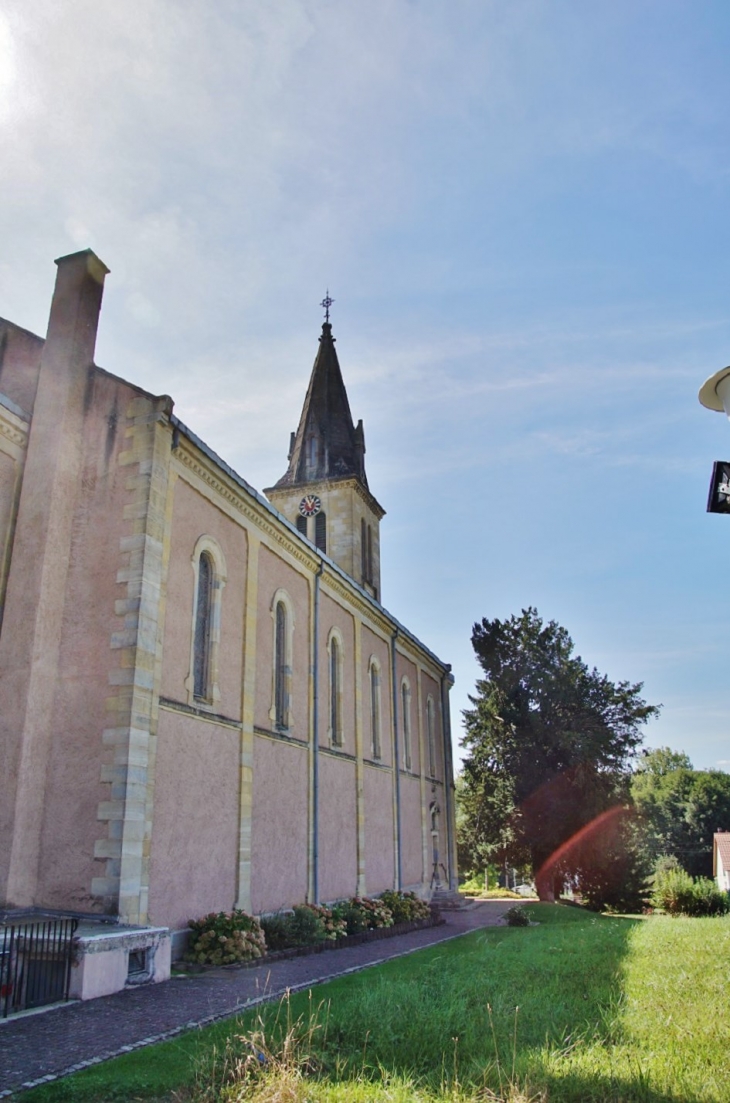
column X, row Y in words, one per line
column 375, row 708
column 280, row 693
column 209, row 572
column 320, row 531
column 282, row 614
column 405, row 693
column 370, row 554
column 302, row 525
column 201, row 645
column 431, row 732
column 335, row 696
column 366, row 551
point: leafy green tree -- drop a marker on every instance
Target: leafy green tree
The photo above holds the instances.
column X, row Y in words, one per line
column 680, row 808
column 549, row 746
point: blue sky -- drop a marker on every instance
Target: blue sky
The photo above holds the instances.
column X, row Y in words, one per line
column 521, row 211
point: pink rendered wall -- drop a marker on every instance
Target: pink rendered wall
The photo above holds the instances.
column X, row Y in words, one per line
column 411, row 830
column 20, row 361
column 275, row 574
column 194, row 854
column 379, row 852
column 373, row 645
column 279, row 828
column 337, row 828
column 332, row 615
column 194, row 516
column 77, row 753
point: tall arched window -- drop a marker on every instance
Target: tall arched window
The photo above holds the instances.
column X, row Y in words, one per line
column 280, row 664
column 363, row 549
column 282, row 614
column 209, row 572
column 302, row 525
column 335, row 687
column 375, row 708
column 405, row 693
column 201, row 647
column 320, row 531
column 431, row 732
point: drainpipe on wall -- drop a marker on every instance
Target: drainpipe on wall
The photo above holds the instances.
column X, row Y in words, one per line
column 447, row 680
column 396, row 762
column 315, row 740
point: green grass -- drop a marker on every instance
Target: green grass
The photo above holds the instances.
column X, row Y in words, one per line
column 580, row 1008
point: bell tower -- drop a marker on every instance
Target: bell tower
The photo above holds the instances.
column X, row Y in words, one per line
column 324, row 491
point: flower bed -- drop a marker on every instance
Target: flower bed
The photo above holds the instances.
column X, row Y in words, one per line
column 323, row 946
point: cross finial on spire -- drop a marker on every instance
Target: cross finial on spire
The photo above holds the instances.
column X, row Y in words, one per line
column 327, row 303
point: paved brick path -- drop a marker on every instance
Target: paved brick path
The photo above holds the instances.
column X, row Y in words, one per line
column 47, row 1045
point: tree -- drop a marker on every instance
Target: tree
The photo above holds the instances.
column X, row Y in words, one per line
column 549, row 745
column 680, row 808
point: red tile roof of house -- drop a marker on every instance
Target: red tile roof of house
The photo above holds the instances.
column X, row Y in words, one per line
column 721, row 847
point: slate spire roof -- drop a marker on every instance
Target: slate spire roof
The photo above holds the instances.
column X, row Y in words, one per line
column 327, row 444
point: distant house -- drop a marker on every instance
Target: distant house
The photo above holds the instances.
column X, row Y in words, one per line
column 721, row 859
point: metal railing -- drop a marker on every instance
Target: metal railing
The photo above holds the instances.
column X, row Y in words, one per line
column 36, row 953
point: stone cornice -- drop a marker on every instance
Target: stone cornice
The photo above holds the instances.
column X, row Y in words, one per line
column 195, row 457
column 13, row 428
column 320, row 486
column 211, row 474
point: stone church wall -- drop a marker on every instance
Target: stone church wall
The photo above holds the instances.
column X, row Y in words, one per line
column 122, row 790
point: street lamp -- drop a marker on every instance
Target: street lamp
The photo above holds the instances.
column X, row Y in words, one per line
column 715, row 395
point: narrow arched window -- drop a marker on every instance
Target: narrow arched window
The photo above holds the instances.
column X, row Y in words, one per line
column 335, row 692
column 302, row 525
column 370, row 554
column 405, row 691
column 320, row 531
column 431, row 732
column 281, row 703
column 363, row 549
column 375, row 709
column 201, row 645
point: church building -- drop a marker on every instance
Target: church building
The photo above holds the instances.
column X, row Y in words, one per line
column 203, row 702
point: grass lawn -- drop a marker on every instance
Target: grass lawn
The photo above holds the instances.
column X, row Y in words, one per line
column 580, row 1008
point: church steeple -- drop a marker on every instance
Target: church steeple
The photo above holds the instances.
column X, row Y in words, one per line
column 324, row 490
column 327, row 443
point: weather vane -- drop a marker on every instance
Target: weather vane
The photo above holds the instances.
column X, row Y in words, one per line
column 327, row 303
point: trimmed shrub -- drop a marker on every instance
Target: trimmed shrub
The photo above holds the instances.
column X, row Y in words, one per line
column 405, row 906
column 304, row 925
column 225, row 938
column 516, row 918
column 276, row 930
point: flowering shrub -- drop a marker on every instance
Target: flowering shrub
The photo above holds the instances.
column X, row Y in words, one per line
column 333, row 926
column 360, row 913
column 225, row 938
column 405, row 906
column 305, row 925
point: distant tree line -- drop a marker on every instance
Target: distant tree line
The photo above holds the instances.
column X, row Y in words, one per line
column 555, row 780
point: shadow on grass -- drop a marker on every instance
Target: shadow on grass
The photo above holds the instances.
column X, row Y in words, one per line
column 539, row 1007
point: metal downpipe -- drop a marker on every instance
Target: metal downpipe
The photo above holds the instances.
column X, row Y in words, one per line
column 315, row 739
column 396, row 762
